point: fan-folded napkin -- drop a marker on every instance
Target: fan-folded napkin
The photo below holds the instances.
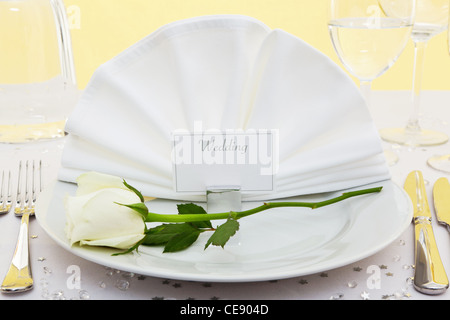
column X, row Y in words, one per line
column 229, row 72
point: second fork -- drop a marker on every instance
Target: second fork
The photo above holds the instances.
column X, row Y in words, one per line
column 19, row 278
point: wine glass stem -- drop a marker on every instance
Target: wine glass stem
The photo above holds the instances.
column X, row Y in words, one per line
column 419, row 55
column 366, row 90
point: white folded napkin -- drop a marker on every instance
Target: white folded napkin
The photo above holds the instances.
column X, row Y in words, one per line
column 230, row 72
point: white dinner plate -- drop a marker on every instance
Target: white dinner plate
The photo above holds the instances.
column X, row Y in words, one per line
column 274, row 244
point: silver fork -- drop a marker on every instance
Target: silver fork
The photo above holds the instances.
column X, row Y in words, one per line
column 5, row 193
column 18, row 278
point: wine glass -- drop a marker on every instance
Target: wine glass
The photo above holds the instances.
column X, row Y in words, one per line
column 442, row 162
column 431, row 19
column 368, row 41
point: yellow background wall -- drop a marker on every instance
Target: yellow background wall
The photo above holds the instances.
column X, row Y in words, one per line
column 102, row 28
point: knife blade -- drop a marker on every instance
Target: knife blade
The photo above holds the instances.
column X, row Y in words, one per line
column 429, row 276
column 441, row 197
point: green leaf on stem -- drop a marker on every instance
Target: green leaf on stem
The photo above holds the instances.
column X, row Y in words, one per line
column 223, row 233
column 162, row 234
column 191, row 208
column 182, row 241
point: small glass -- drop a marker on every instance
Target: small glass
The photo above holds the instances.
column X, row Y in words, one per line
column 37, row 79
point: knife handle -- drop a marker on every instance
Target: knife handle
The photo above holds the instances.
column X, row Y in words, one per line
column 430, row 277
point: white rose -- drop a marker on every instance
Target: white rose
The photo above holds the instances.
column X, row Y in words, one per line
column 95, row 218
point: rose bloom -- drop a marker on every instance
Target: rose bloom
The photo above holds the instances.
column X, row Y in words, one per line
column 94, row 216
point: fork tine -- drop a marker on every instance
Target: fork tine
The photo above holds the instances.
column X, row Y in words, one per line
column 19, row 208
column 34, row 194
column 27, row 186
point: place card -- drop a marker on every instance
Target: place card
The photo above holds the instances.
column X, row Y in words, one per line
column 231, row 159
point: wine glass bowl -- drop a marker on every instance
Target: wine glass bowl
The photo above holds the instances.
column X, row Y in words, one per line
column 367, row 40
column 369, row 48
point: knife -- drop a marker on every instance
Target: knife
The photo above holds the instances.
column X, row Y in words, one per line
column 430, row 277
column 441, row 196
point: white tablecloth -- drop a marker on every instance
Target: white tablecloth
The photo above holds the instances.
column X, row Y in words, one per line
column 54, row 267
